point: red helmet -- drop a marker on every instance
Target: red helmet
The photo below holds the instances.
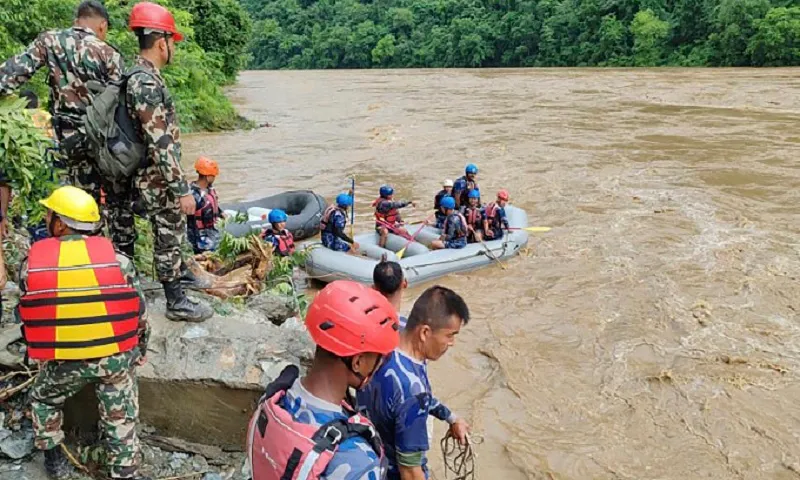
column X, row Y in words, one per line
column 347, row 318
column 156, row 17
column 502, row 195
column 206, row 166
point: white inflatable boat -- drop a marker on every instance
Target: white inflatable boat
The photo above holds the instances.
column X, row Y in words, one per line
column 420, row 264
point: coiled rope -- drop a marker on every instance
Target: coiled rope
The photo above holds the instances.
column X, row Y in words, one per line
column 459, row 460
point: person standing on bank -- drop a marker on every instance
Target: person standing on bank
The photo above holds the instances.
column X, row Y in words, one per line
column 83, row 316
column 74, row 57
column 399, row 400
column 162, row 184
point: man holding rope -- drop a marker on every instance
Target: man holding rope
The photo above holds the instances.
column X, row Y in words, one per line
column 400, row 401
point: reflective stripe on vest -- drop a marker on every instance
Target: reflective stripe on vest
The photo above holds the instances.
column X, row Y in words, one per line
column 78, row 304
column 279, row 447
column 206, row 216
column 391, row 217
column 460, row 232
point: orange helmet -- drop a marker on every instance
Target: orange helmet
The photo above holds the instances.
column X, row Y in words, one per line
column 502, row 195
column 206, row 166
column 155, row 17
column 347, row 318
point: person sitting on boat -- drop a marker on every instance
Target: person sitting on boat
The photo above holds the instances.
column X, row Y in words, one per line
column 388, row 279
column 201, row 227
column 465, row 184
column 473, row 214
column 454, row 231
column 281, row 239
column 333, row 223
column 387, row 215
column 494, row 216
column 447, row 190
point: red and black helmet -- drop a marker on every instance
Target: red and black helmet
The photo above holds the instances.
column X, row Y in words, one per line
column 502, row 195
column 347, row 318
column 155, row 17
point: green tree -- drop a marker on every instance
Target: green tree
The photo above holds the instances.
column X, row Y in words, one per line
column 650, row 36
column 384, row 51
column 735, row 24
column 777, row 38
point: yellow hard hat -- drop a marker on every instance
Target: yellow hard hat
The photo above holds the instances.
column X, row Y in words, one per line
column 72, row 203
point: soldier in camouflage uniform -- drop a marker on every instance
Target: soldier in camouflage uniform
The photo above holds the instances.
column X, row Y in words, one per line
column 161, row 185
column 72, row 216
column 73, row 57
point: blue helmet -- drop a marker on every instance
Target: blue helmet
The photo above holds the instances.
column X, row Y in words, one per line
column 277, row 216
column 387, row 190
column 474, row 193
column 472, row 168
column 344, row 200
column 448, row 203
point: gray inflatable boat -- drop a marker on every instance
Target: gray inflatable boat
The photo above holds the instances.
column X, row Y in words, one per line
column 420, row 264
column 303, row 207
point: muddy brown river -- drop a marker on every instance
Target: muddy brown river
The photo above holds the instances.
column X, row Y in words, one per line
column 654, row 332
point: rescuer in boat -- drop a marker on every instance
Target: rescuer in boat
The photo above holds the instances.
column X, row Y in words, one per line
column 473, row 215
column 387, row 215
column 446, row 191
column 201, row 227
column 399, row 400
column 276, row 234
column 454, row 230
column 303, row 427
column 388, row 279
column 465, row 184
column 83, row 316
column 333, row 223
column 495, row 218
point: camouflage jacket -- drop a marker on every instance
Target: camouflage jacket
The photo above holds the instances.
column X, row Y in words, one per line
column 74, row 57
column 129, row 272
column 153, row 110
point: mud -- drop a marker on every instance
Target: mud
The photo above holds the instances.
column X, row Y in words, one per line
column 654, row 332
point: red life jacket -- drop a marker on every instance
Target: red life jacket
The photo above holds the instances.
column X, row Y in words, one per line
column 474, row 217
column 280, row 448
column 206, row 216
column 392, row 217
column 460, row 232
column 325, row 223
column 492, row 216
column 285, row 239
column 78, row 304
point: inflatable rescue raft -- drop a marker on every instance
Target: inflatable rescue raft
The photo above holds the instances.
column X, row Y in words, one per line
column 303, row 207
column 420, row 264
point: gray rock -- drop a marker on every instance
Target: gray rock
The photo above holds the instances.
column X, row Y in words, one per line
column 212, row 476
column 18, row 444
column 272, row 307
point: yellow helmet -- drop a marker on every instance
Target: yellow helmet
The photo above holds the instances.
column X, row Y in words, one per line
column 76, row 207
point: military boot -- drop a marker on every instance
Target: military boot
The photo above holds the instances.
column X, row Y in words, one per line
column 56, row 464
column 190, row 280
column 182, row 309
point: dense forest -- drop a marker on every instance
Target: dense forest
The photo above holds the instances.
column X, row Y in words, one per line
column 523, row 33
column 218, row 32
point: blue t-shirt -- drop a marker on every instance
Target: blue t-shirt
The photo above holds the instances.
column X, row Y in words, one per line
column 355, row 459
column 399, row 401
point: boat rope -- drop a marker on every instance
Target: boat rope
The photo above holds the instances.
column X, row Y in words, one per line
column 459, row 459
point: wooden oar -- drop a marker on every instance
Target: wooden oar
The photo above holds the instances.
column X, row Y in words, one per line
column 402, row 251
column 531, row 229
column 392, row 229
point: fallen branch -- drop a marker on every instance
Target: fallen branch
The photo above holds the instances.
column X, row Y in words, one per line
column 9, row 392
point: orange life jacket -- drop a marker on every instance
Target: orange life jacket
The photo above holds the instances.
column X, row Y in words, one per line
column 206, row 216
column 78, row 304
column 325, row 224
column 392, row 217
column 474, row 217
column 285, row 244
column 492, row 216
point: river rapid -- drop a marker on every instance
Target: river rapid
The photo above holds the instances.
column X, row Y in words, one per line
column 654, row 333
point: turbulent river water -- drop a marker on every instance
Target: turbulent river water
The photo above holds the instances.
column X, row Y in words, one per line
column 654, row 332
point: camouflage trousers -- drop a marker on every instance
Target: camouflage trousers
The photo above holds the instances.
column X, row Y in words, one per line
column 160, row 205
column 118, row 404
column 81, row 173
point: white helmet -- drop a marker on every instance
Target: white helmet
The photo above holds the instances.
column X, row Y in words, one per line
column 447, row 183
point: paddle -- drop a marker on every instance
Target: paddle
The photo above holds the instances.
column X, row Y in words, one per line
column 402, row 251
column 490, row 254
column 352, row 207
column 392, row 228
column 531, row 229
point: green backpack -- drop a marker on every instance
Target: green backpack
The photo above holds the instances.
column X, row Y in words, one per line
column 117, row 148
